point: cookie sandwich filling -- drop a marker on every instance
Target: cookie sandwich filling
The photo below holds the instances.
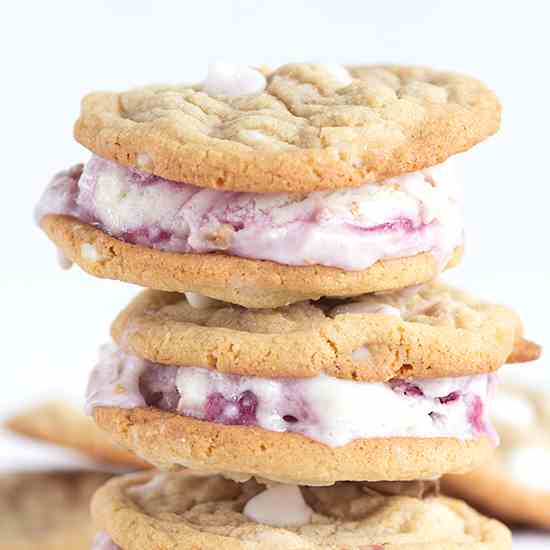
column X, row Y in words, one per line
column 330, row 410
column 349, row 229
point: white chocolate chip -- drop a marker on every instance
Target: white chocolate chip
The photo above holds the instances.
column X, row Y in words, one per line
column 89, row 252
column 338, row 73
column 143, row 160
column 369, row 305
column 233, row 80
column 199, row 301
column 279, row 506
column 258, row 139
column 361, row 354
column 254, row 136
column 151, row 489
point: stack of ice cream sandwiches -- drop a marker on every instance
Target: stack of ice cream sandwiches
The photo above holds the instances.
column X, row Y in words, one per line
column 294, row 369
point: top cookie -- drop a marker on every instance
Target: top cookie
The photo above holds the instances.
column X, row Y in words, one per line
column 300, row 128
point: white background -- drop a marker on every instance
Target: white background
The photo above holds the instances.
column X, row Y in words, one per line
column 54, row 52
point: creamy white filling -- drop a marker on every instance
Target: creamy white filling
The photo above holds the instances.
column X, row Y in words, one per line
column 330, row 410
column 350, row 229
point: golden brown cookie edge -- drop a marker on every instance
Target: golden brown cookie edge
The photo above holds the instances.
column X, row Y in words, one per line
column 397, row 348
column 103, row 129
column 118, row 515
column 168, row 440
column 253, row 283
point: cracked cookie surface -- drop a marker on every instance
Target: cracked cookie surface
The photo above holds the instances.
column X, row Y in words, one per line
column 437, row 332
column 184, row 511
column 305, row 130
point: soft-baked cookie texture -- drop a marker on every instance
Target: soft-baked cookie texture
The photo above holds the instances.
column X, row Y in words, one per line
column 59, row 423
column 437, row 331
column 249, row 283
column 309, row 128
column 171, row 441
column 47, row 510
column 188, row 511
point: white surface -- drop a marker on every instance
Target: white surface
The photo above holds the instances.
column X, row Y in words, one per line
column 53, row 321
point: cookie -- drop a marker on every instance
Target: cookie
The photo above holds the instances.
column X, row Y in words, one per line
column 436, row 332
column 490, row 488
column 515, row 485
column 187, row 511
column 300, row 128
column 524, row 351
column 249, row 283
column 47, row 510
column 169, row 440
column 61, row 424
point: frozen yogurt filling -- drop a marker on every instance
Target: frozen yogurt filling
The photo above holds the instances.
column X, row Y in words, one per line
column 350, row 229
column 330, row 410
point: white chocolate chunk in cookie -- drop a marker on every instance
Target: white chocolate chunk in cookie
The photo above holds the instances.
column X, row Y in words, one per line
column 279, row 506
column 200, row 301
column 338, row 73
column 233, row 80
column 89, row 252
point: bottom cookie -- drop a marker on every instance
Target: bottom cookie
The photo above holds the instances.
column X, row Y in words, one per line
column 47, row 510
column 186, row 510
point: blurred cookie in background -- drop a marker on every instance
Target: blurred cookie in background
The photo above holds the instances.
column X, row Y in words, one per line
column 515, row 485
column 47, row 510
column 62, row 424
